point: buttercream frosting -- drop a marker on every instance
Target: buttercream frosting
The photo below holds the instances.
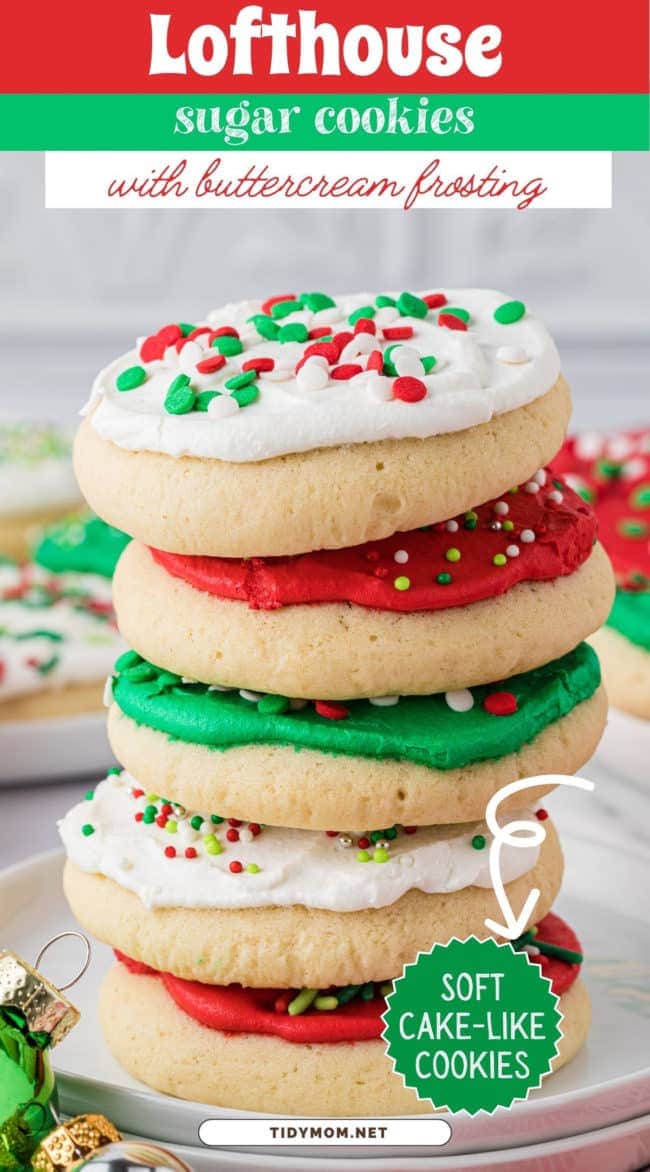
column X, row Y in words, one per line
column 35, row 468
column 82, row 543
column 468, row 364
column 436, row 731
column 55, row 629
column 269, row 866
column 540, row 531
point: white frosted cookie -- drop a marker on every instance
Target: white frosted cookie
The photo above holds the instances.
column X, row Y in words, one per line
column 163, row 1047
column 37, row 483
column 57, row 641
column 138, row 868
column 345, row 419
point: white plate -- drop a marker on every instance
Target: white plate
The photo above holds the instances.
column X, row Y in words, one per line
column 625, row 1147
column 55, row 749
column 625, row 747
column 608, row 1083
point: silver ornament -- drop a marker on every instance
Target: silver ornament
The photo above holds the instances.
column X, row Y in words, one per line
column 131, row 1155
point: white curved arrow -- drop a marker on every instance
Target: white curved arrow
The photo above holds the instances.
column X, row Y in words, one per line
column 521, row 834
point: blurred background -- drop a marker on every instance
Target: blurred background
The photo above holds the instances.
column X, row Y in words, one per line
column 77, row 287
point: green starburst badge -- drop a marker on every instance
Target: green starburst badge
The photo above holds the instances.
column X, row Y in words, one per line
column 472, row 1025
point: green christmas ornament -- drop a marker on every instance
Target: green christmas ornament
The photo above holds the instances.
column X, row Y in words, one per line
column 34, row 1016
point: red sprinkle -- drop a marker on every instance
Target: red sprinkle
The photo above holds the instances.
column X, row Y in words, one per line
column 365, row 325
column 375, row 361
column 380, row 572
column 435, row 300
column 255, row 828
column 211, row 364
column 198, row 332
column 500, row 703
column 281, row 1003
column 332, row 833
column 271, row 301
column 341, row 339
column 170, row 852
column 152, row 348
column 409, row 389
column 328, row 350
column 542, row 814
column 330, row 710
column 363, row 843
column 236, row 867
column 137, row 793
column 161, row 821
column 232, row 835
column 170, row 334
column 139, row 816
column 190, row 852
column 397, row 333
column 451, row 321
column 234, row 821
column 346, row 370
column 372, row 555
column 224, row 332
column 259, row 364
column 166, row 808
column 410, row 829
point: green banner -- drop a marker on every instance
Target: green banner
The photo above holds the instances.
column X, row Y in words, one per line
column 313, row 122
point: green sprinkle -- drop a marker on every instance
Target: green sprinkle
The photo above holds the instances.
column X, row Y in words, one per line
column 114, row 771
column 380, row 855
column 252, row 869
column 363, row 857
column 444, row 578
column 227, row 345
column 471, row 520
column 389, row 365
column 326, row 1004
column 129, row 379
column 386, row 988
column 631, row 528
column 453, row 554
column 428, row 362
column 150, row 814
column 362, row 311
column 478, row 842
column 376, row 835
column 87, row 830
column 90, row 795
column 180, row 396
column 216, row 819
column 641, row 496
column 411, row 306
column 152, row 797
column 203, row 400
column 402, row 583
column 48, row 665
column 171, row 826
column 272, row 705
column 265, row 326
column 566, row 954
column 526, row 938
column 367, row 991
column 127, row 659
column 508, row 525
column 186, row 328
column 293, row 332
column 316, row 301
column 509, row 312
column 499, row 559
column 463, row 314
column 238, row 381
column 609, row 469
column 348, row 993
column 390, row 833
column 196, row 822
column 40, row 633
column 212, row 845
column 284, row 308
column 385, row 302
column 246, row 395
column 302, row 1001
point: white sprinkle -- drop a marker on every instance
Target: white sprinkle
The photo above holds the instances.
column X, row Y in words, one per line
column 386, row 316
column 634, row 468
column 540, row 477
column 619, row 447
column 589, row 446
column 245, row 835
column 531, row 486
column 108, row 692
column 361, row 344
column 252, row 696
column 384, row 701
column 556, row 496
column 222, row 406
column 460, row 700
column 380, row 388
column 451, row 526
column 327, row 316
column 407, row 361
column 501, row 508
column 527, row 535
column 219, row 688
column 189, row 356
column 170, row 357
column 188, row 680
column 401, row 556
column 512, row 355
column 279, row 374
column 512, row 551
column 312, row 376
column 531, row 949
column 406, row 860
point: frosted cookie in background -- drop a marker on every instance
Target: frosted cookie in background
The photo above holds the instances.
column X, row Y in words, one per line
column 58, row 636
column 37, row 482
column 612, row 472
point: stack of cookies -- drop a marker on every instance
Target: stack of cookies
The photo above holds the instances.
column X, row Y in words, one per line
column 355, row 604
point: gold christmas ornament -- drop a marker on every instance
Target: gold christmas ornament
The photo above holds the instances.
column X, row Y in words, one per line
column 24, row 991
column 70, row 1143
